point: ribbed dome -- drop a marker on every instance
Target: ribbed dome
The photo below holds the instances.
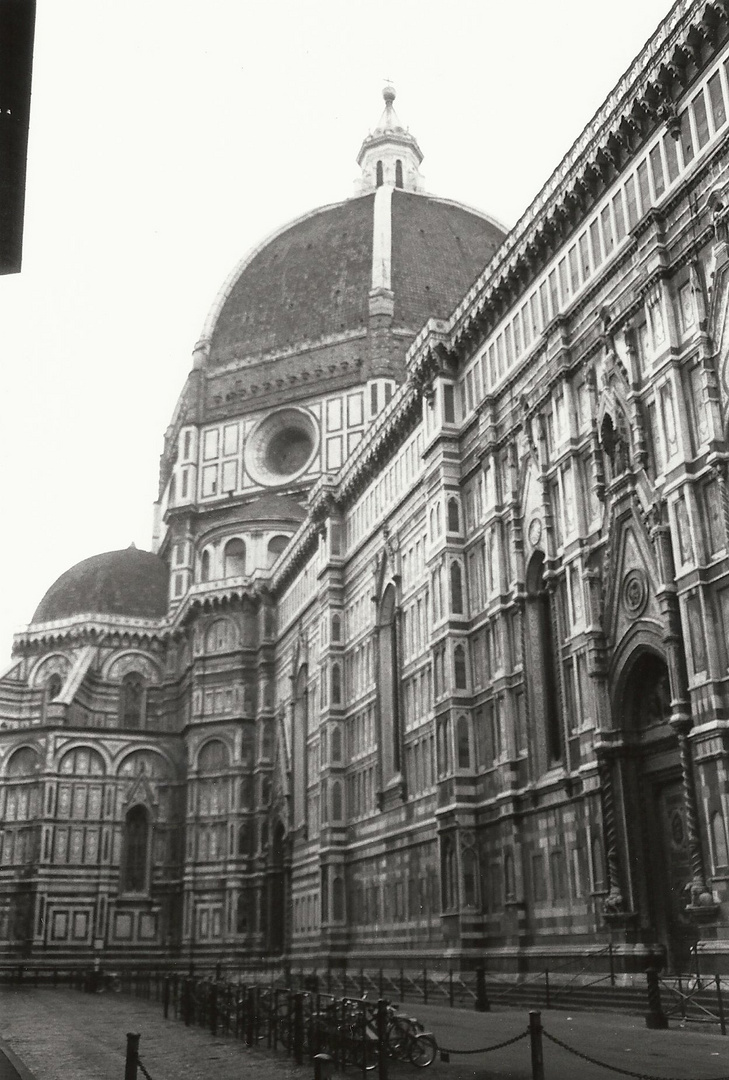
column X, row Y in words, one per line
column 312, row 280
column 128, row 582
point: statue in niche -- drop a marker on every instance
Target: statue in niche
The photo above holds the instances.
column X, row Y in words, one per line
column 615, row 446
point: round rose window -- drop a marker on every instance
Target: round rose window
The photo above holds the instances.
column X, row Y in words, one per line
column 281, row 446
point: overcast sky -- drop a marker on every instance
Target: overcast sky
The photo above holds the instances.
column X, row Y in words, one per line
column 169, row 136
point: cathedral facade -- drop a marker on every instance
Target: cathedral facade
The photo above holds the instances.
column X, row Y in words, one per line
column 430, row 659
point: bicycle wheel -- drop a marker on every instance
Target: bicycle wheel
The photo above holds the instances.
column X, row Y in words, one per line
column 423, row 1049
column 359, row 1049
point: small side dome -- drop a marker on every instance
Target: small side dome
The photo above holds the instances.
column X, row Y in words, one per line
column 127, row 582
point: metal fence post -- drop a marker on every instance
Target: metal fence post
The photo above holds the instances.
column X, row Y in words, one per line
column 547, row 1002
column 214, row 1008
column 720, row 1004
column 425, row 986
column 299, row 1028
column 382, row 1060
column 402, row 984
column 655, row 1017
column 612, row 964
column 535, row 1040
column 130, row 1067
column 166, row 997
column 450, row 986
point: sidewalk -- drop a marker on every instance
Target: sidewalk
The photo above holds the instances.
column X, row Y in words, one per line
column 66, row 1035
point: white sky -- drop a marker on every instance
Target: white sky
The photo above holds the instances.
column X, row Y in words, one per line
column 169, row 136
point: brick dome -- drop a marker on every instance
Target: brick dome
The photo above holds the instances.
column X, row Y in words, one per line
column 127, row 582
column 311, row 281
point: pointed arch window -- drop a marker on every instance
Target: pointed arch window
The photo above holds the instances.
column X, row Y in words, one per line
column 470, row 878
column 456, row 589
column 205, row 566
column 453, row 516
column 459, row 668
column 463, row 742
column 398, row 174
column 336, row 684
column 388, row 685
column 234, row 558
column 449, row 872
column 135, row 861
column 380, row 176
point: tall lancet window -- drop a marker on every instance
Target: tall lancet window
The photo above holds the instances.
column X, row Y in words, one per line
column 543, row 685
column 388, row 683
column 299, row 739
column 136, row 850
column 398, row 174
column 380, row 175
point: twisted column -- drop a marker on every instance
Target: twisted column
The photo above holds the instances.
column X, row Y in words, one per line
column 613, row 903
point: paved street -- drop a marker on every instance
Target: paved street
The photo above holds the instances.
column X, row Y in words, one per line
column 66, row 1035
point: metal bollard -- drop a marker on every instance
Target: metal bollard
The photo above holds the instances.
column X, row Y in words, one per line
column 535, row 1039
column 130, row 1067
column 655, row 1017
column 482, row 999
column 323, row 1067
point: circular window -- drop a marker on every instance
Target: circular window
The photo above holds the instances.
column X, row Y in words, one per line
column 281, row 446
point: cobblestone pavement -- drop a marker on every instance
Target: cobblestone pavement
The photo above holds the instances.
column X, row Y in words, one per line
column 65, row 1035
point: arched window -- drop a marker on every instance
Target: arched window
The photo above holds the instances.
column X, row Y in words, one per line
column 470, row 877
column 463, row 743
column 54, row 687
column 718, row 836
column 337, row 745
column 453, row 516
column 132, row 700
column 205, row 566
column 459, row 668
column 509, row 878
column 388, row 685
column 336, row 628
column 398, row 174
column 336, row 684
column 213, row 757
column 245, row 839
column 276, row 545
column 456, row 589
column 380, row 176
column 234, row 558
column 337, row 808
column 449, row 874
column 542, row 660
column 598, row 864
column 136, row 848
column 338, row 899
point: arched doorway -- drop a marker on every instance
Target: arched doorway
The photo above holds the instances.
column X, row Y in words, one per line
column 278, row 892
column 659, row 855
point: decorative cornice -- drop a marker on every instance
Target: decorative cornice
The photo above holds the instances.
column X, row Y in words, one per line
column 638, row 103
